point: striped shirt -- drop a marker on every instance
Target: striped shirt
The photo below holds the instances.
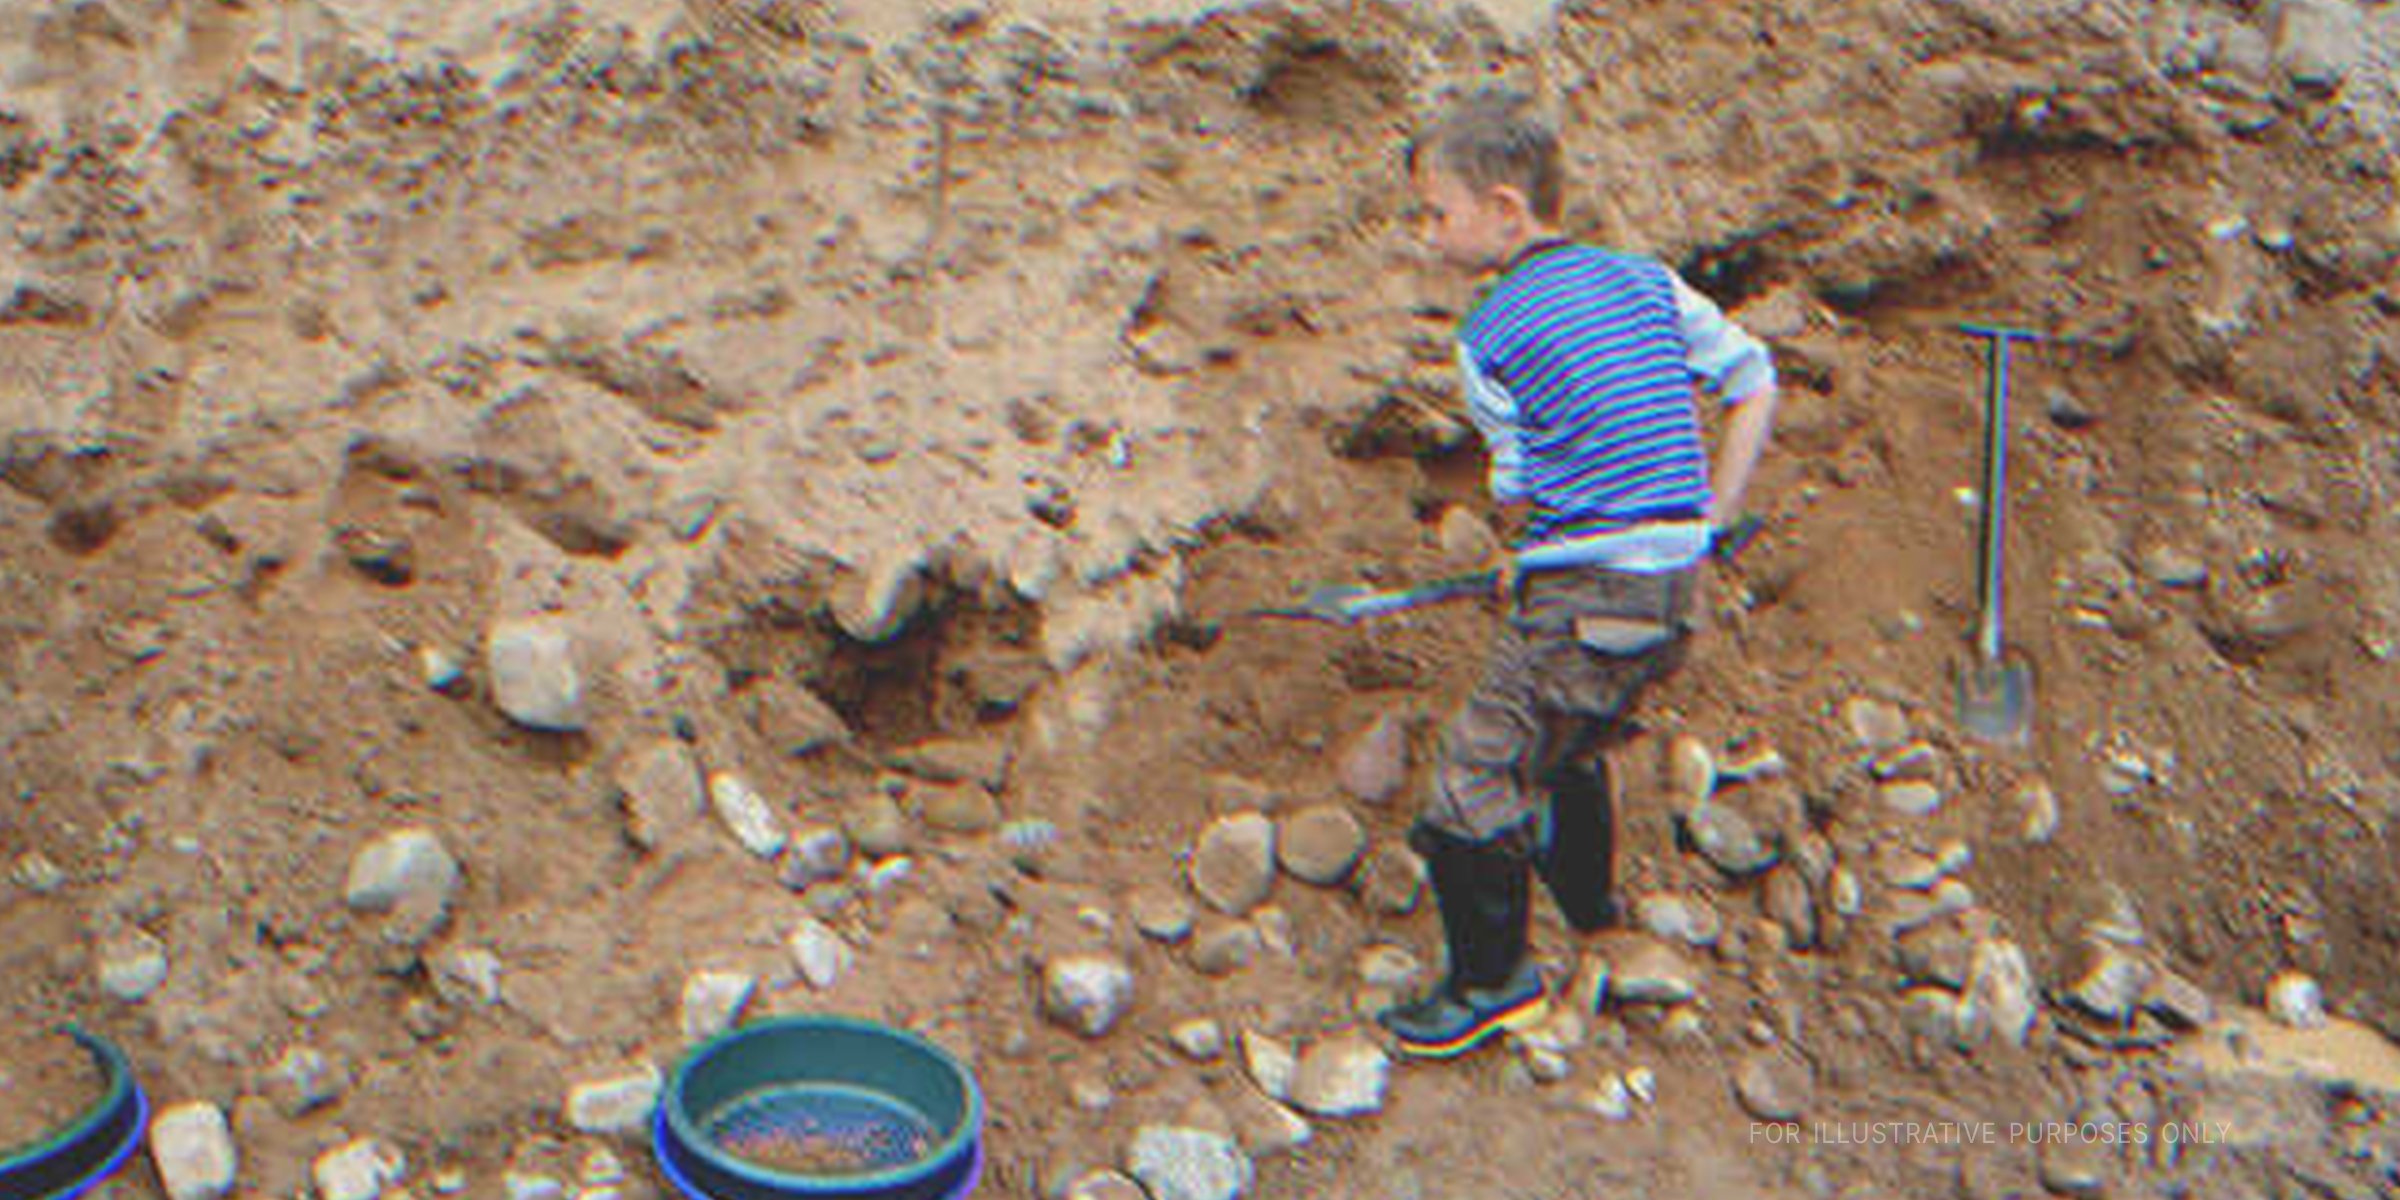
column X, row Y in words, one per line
column 1580, row 366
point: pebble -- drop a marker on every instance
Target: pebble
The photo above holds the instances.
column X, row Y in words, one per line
column 890, row 873
column 1761, row 762
column 1031, row 843
column 815, row 854
column 1233, row 866
column 1188, row 1164
column 1771, row 1086
column 876, row 826
column 1270, row 1062
column 602, row 1167
column 521, row 1185
column 132, row 965
column 359, row 1170
column 821, row 954
column 1936, row 954
column 1642, row 1083
column 1320, row 844
column 1728, row 840
column 534, row 680
column 2295, row 1000
column 35, row 873
column 713, row 1001
column 2040, row 806
column 1342, row 1076
column 746, row 815
column 467, row 976
column 1087, row 993
column 964, row 808
column 1263, row 1126
column 1914, row 761
column 1611, row 1099
column 1224, row 947
column 1388, row 967
column 448, row 1182
column 1676, row 919
column 1200, row 1039
column 1392, row 881
column 1907, row 869
column 1274, row 930
column 1376, row 768
column 302, row 1081
column 2067, row 410
column 194, row 1151
column 1691, row 772
column 2179, row 1001
column 2001, row 996
column 440, row 668
column 2074, row 1167
column 2125, row 773
column 1104, row 1185
column 1161, row 915
column 1911, row 797
column 2105, row 981
column 1873, row 724
column 1843, row 888
column 1545, row 1064
column 407, row 873
column 2173, row 567
column 1646, row 971
column 660, row 784
column 618, row 1104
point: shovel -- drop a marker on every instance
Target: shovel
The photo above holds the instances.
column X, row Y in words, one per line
column 1995, row 690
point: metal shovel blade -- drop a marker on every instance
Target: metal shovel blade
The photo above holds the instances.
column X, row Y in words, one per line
column 1995, row 700
column 1349, row 603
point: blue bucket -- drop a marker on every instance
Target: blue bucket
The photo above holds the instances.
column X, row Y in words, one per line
column 91, row 1147
column 820, row 1108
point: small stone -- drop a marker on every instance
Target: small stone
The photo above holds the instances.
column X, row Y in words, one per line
column 407, row 873
column 1188, row 1164
column 888, row 874
column 520, row 1185
column 2000, row 994
column 1376, row 768
column 1271, row 1064
column 2040, row 808
column 1544, row 1064
column 534, row 680
column 467, row 976
column 1233, row 866
column 821, row 954
column 1610, row 1100
column 1466, row 539
column 132, row 965
column 746, row 815
column 1274, row 930
column 2068, row 410
column 448, row 1182
column 1936, row 954
column 2173, row 567
column 1642, row 1083
column 1092, row 1095
column 2074, row 1167
column 602, row 1167
column 1087, row 993
column 1771, row 1086
column 1911, row 797
column 302, row 1081
column 1728, row 840
column 618, row 1104
column 1953, row 856
column 1392, row 880
column 1264, row 1127
column 1646, row 971
column 713, row 1001
column 1388, row 967
column 358, row 1170
column 1104, row 1185
column 1907, row 869
column 1320, row 844
column 441, row 670
column 1842, row 888
column 2104, row 980
column 1343, row 1076
column 2125, row 773
column 1916, row 760
column 2295, row 1000
column 1676, row 919
column 1691, row 772
column 1754, row 764
column 194, row 1151
column 1032, row 844
column 1161, row 915
column 2179, row 1001
column 1200, row 1039
column 876, row 826
column 1873, row 724
column 1224, row 947
column 35, row 873
column 660, row 786
column 815, row 854
column 957, row 808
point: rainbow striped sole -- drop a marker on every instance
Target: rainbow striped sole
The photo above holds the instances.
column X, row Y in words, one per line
column 1522, row 1015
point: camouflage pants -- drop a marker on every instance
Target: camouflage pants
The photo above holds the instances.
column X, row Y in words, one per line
column 1580, row 646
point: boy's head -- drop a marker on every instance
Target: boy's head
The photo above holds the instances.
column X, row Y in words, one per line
column 1487, row 176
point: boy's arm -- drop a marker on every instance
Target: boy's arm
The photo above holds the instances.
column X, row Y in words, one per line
column 1738, row 366
column 1494, row 413
column 1753, row 419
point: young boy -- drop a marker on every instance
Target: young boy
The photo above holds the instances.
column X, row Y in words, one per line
column 1580, row 369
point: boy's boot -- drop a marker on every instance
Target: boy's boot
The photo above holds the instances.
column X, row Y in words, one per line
column 1578, row 860
column 1485, row 898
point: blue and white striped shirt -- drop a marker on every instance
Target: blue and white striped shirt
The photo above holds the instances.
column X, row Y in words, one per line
column 1579, row 367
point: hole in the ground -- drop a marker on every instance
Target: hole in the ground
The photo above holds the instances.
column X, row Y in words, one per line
column 84, row 528
column 1730, row 273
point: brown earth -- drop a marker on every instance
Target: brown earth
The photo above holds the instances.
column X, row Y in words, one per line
column 49, row 1081
column 737, row 334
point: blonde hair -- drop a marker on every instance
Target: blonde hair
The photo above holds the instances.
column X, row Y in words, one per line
column 1493, row 138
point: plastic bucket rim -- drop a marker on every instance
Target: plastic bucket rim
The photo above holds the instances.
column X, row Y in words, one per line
column 117, row 1080
column 679, row 1122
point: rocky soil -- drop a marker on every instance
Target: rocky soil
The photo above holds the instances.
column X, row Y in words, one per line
column 533, row 534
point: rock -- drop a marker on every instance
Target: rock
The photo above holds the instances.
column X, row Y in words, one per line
column 1188, row 1164
column 1032, row 844
column 713, row 1001
column 601, row 1168
column 1320, row 844
column 1911, row 797
column 1376, row 768
column 746, row 815
column 526, row 1186
column 1756, row 763
column 1274, row 929
column 1610, row 1099
column 1676, row 919
column 302, row 1081
column 534, row 681
column 874, row 603
column 1642, row 1084
column 1907, row 869
column 1645, row 971
column 358, row 1170
column 1263, row 1126
column 2040, row 808
column 2173, row 567
column 1873, row 724
column 1914, row 761
column 2000, row 995
column 618, row 1104
column 876, row 826
column 2074, row 1167
column 660, row 788
column 1105, row 1185
column 1200, row 1039
column 1161, row 915
column 1388, row 967
column 34, row 872
column 1691, row 772
column 442, row 671
column 467, row 977
column 1771, row 1086
column 131, row 965
column 957, row 808
column 1343, row 1076
column 821, row 954
column 2068, row 410
column 1224, row 947
column 1912, row 910
column 1086, row 992
column 194, row 1151
column 792, row 720
column 1234, row 864
column 2295, row 1000
column 1931, row 1013
column 2178, row 1001
column 1466, row 539
column 1270, row 1062
column 1843, row 893
column 2103, row 980
column 2319, row 43
column 1391, row 881
column 1728, row 840
column 407, row 873
column 815, row 854
column 1936, row 954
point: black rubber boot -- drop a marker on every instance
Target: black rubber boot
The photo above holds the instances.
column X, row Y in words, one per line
column 1579, row 862
column 1485, row 898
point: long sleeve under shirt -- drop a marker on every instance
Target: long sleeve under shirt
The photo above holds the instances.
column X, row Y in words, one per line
column 1579, row 367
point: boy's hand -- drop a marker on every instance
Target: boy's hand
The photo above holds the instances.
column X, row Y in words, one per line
column 1505, row 573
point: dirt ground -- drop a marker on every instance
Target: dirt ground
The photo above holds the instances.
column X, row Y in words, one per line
column 976, row 368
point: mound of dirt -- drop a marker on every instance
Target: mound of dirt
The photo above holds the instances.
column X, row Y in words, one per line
column 49, row 1080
